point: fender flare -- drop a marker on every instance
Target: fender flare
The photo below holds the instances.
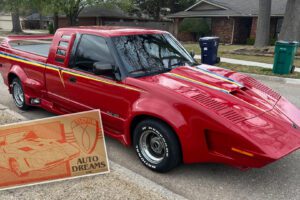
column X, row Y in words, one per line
column 156, row 109
column 29, row 85
column 16, row 70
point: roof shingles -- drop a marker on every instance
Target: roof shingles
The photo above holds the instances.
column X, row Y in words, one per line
column 242, row 8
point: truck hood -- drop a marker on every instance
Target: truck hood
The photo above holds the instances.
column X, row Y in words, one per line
column 221, row 95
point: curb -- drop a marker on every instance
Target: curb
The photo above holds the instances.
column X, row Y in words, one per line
column 275, row 79
column 268, row 78
column 245, row 63
column 136, row 183
column 13, row 113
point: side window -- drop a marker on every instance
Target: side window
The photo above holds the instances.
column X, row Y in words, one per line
column 91, row 49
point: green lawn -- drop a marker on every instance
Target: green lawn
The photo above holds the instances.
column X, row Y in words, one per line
column 222, row 48
column 224, row 51
column 256, row 70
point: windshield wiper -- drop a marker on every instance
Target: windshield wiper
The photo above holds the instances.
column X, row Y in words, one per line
column 164, row 70
column 137, row 70
column 194, row 64
column 183, row 63
column 149, row 71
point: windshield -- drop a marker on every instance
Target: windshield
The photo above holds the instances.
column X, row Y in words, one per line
column 151, row 53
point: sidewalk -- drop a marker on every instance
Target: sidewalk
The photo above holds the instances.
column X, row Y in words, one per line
column 120, row 183
column 247, row 63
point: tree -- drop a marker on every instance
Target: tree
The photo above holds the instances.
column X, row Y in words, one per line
column 180, row 5
column 290, row 29
column 263, row 24
column 70, row 8
column 151, row 7
column 128, row 6
column 154, row 8
column 197, row 26
column 51, row 7
column 13, row 6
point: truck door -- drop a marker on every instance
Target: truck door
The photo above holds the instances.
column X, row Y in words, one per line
column 89, row 91
column 55, row 82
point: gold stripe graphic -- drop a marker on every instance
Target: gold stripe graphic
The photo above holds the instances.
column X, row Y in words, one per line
column 199, row 82
column 215, row 76
column 64, row 71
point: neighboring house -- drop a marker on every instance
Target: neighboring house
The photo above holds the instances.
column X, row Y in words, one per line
column 97, row 16
column 5, row 21
column 35, row 21
column 114, row 17
column 234, row 21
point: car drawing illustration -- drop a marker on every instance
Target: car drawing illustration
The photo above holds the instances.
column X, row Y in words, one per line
column 153, row 95
column 24, row 152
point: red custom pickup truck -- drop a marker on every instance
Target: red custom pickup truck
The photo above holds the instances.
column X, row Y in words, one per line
column 152, row 94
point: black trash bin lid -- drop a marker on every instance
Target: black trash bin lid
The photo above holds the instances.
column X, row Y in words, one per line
column 208, row 38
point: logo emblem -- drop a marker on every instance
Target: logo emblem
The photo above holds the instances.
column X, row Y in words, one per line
column 84, row 130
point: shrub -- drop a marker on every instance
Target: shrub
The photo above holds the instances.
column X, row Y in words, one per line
column 273, row 41
column 250, row 41
column 197, row 26
column 51, row 28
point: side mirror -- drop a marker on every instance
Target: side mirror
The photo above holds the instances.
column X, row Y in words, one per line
column 102, row 68
column 192, row 53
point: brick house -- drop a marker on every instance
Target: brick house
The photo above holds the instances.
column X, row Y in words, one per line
column 97, row 16
column 36, row 21
column 92, row 16
column 234, row 21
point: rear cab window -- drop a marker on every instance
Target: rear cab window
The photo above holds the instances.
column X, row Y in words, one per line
column 62, row 49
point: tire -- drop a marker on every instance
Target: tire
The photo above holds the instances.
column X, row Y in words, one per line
column 18, row 94
column 293, row 69
column 156, row 145
column 15, row 167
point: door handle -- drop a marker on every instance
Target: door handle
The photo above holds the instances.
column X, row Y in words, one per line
column 72, row 79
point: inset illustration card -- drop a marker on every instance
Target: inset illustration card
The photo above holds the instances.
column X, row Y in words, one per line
column 51, row 149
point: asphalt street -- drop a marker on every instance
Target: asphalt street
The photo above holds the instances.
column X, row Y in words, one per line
column 280, row 180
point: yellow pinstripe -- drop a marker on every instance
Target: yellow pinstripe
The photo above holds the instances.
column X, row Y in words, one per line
column 72, row 73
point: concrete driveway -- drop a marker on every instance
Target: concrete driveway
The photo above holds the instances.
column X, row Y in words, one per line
column 280, row 180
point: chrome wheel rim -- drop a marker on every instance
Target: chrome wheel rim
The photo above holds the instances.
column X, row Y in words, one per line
column 18, row 94
column 152, row 146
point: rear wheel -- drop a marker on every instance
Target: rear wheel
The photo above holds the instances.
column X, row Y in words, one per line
column 293, row 69
column 18, row 94
column 157, row 145
column 15, row 167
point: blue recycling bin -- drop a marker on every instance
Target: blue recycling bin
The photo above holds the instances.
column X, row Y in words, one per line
column 209, row 50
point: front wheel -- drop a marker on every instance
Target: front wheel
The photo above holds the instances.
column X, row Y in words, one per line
column 18, row 94
column 157, row 145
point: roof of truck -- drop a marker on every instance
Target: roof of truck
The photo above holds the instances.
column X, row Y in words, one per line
column 111, row 31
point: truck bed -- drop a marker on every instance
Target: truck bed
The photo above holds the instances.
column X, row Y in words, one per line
column 39, row 49
column 38, row 45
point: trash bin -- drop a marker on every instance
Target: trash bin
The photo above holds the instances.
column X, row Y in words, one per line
column 209, row 50
column 284, row 57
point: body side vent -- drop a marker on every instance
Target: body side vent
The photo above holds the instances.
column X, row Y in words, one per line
column 220, row 108
column 256, row 84
column 232, row 115
column 209, row 102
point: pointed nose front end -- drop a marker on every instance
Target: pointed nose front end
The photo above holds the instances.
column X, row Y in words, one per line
column 275, row 133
